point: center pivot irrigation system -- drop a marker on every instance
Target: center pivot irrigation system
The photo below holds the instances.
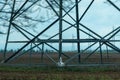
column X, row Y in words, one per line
column 20, row 15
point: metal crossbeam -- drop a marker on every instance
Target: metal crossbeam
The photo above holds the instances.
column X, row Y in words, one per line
column 66, row 41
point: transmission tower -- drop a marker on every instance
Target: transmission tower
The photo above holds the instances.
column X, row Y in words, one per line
column 21, row 16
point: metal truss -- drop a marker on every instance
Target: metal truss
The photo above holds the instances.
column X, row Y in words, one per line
column 59, row 9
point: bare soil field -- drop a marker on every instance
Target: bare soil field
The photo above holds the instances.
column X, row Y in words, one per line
column 36, row 58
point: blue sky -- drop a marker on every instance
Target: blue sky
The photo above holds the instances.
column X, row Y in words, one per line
column 100, row 18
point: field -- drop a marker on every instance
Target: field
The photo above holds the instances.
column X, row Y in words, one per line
column 82, row 72
column 55, row 73
column 35, row 58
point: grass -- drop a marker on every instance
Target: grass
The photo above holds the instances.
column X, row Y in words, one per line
column 61, row 69
column 56, row 73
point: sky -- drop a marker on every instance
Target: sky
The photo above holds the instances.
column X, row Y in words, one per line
column 101, row 18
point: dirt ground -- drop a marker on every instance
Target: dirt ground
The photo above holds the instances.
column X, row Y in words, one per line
column 36, row 58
